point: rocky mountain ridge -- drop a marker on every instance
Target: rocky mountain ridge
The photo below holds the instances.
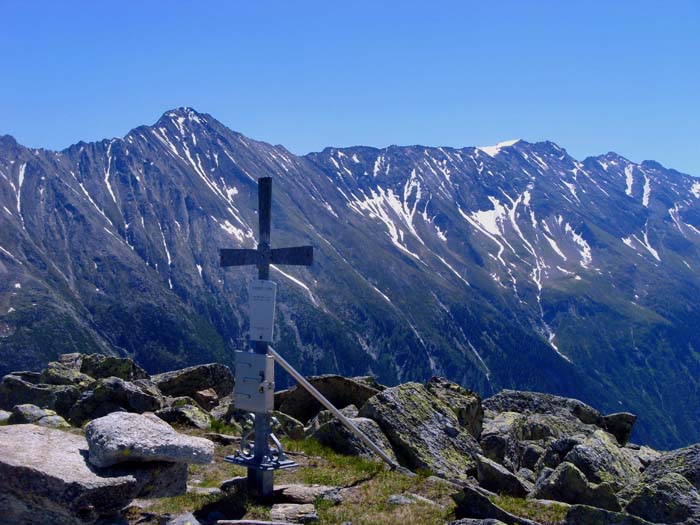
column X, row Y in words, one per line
column 512, row 266
column 517, row 457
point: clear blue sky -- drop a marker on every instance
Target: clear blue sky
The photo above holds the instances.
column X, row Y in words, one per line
column 591, row 76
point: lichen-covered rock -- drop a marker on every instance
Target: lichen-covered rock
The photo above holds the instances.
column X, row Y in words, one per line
column 586, row 515
column 48, row 480
column 670, row 499
column 640, row 456
column 472, row 504
column 286, row 425
column 186, row 415
column 188, row 381
column 507, row 437
column 16, row 391
column 423, row 431
column 181, row 401
column 333, row 434
column 684, row 461
column 620, row 425
column 601, row 459
column 5, row 417
column 113, row 394
column 496, row 478
column 125, row 437
column 325, row 416
column 568, row 484
column 59, row 374
column 340, row 391
column 43, row 417
column 465, row 403
column 538, row 403
column 102, row 366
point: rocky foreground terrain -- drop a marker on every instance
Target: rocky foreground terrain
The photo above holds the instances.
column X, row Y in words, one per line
column 95, row 439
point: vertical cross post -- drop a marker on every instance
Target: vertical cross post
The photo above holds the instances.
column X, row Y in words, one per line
column 263, row 460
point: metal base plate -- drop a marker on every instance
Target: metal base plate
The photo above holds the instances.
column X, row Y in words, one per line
column 253, row 463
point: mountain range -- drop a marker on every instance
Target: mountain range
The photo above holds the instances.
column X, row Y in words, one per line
column 508, row 266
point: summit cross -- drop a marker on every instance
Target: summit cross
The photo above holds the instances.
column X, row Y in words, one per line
column 263, row 256
column 255, row 373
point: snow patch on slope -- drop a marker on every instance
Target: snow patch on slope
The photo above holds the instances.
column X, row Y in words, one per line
column 494, row 150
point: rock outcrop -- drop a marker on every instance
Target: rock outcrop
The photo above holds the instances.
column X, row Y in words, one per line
column 539, row 449
column 423, row 431
column 45, row 478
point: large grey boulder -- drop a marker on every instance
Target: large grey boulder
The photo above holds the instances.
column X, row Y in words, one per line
column 340, row 391
column 465, row 403
column 125, row 437
column 45, row 478
column 568, row 484
column 496, row 478
column 670, row 499
column 101, row 366
column 423, row 431
column 14, row 390
column 189, row 381
column 113, row 394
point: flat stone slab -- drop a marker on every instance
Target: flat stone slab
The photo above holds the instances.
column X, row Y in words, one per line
column 44, row 474
column 294, row 513
column 125, row 437
column 302, row 493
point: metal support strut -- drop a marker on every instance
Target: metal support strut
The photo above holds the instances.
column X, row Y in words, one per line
column 337, row 413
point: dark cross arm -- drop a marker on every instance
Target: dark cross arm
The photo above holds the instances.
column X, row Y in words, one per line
column 296, row 256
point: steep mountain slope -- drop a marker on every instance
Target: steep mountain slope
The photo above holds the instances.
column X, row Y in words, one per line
column 508, row 266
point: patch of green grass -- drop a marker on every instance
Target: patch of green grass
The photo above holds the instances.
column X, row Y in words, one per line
column 367, row 503
column 545, row 513
column 223, row 428
column 326, row 467
column 190, row 502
